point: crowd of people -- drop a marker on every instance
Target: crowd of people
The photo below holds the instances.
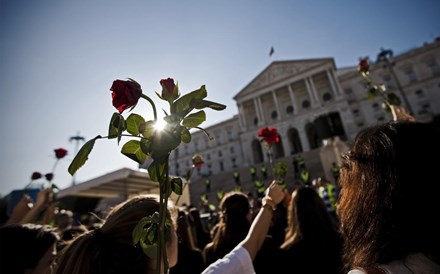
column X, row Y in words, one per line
column 381, row 218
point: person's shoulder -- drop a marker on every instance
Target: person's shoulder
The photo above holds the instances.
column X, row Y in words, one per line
column 236, row 261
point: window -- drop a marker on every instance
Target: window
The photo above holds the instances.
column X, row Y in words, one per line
column 289, row 109
column 230, row 133
column 220, row 154
column 274, row 114
column 348, row 91
column 196, row 144
column 218, row 137
column 326, row 97
column 255, row 121
column 433, row 66
column 231, row 149
column 409, row 72
column 375, row 106
column 420, row 93
column 306, row 104
column 388, row 81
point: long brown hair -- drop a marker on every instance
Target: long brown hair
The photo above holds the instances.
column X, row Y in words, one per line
column 232, row 227
column 308, row 219
column 109, row 249
column 388, row 205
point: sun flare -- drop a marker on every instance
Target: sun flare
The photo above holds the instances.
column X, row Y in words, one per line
column 160, row 125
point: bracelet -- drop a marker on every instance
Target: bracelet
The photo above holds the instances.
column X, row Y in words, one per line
column 267, row 206
column 267, row 200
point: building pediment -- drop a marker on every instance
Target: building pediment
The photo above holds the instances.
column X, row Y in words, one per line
column 280, row 70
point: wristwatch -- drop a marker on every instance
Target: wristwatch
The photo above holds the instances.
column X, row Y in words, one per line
column 267, row 200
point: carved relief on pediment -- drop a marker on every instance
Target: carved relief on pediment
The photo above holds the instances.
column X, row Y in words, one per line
column 278, row 72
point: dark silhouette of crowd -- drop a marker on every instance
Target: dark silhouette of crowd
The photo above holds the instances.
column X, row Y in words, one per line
column 379, row 216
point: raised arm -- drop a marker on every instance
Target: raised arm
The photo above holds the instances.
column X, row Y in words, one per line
column 260, row 226
column 41, row 203
column 401, row 114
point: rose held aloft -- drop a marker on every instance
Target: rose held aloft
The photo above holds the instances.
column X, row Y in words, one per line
column 125, row 94
column 270, row 135
column 197, row 161
column 60, row 153
column 363, row 66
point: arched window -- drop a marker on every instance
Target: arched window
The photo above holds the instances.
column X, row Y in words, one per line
column 326, row 97
column 306, row 104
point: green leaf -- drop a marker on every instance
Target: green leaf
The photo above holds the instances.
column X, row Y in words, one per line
column 152, row 170
column 159, row 95
column 182, row 105
column 176, row 185
column 150, row 251
column 194, row 119
column 137, row 231
column 113, row 128
column 280, row 168
column 82, row 155
column 200, row 104
column 146, row 146
column 132, row 149
column 147, row 129
column 121, row 127
column 185, row 135
column 151, row 237
column 133, row 123
column 163, row 143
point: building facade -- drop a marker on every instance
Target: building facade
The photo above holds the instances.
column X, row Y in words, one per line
column 312, row 104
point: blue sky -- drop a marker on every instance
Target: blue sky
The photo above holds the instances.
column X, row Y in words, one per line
column 58, row 60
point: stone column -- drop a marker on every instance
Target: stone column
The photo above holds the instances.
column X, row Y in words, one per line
column 241, row 116
column 311, row 90
column 277, row 105
column 257, row 110
column 334, row 82
column 293, row 99
column 261, row 111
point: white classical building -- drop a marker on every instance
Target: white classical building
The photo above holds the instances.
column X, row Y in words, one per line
column 312, row 104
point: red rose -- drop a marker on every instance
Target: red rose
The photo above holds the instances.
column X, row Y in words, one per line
column 169, row 89
column 60, row 153
column 49, row 176
column 125, row 94
column 270, row 135
column 363, row 66
column 197, row 161
column 36, row 175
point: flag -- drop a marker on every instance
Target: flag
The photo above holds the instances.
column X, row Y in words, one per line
column 271, row 51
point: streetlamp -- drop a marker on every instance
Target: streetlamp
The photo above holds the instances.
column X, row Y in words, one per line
column 385, row 56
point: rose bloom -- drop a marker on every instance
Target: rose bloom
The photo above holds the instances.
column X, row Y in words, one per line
column 60, row 153
column 197, row 161
column 36, row 175
column 363, row 66
column 49, row 176
column 125, row 94
column 168, row 92
column 270, row 135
